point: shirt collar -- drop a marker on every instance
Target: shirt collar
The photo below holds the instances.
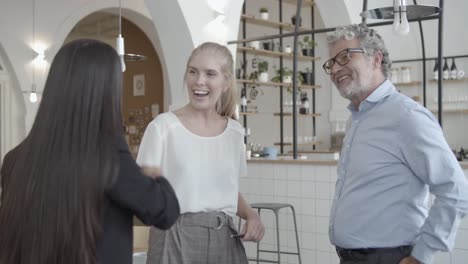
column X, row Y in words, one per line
column 384, row 90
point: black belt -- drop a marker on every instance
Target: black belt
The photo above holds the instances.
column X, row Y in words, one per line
column 359, row 253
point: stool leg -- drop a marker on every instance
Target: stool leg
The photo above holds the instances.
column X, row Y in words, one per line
column 258, row 242
column 278, row 238
column 297, row 237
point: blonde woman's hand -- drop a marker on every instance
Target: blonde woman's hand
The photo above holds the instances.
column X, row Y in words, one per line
column 253, row 229
column 409, row 260
column 152, row 172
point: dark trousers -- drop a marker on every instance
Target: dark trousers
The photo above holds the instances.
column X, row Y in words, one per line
column 373, row 255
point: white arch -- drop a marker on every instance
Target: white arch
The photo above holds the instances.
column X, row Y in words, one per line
column 12, row 107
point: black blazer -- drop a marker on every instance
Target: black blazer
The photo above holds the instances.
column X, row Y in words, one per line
column 153, row 201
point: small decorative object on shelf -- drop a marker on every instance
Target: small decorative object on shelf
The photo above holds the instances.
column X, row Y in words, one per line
column 307, row 46
column 435, row 71
column 445, row 71
column 287, row 49
column 304, row 109
column 268, row 45
column 263, row 70
column 405, row 74
column 263, row 13
column 307, row 76
column 243, row 104
column 293, row 20
column 453, row 70
column 394, row 75
column 254, row 44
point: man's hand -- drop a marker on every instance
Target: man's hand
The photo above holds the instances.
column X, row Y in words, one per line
column 253, row 229
column 152, row 172
column 409, row 260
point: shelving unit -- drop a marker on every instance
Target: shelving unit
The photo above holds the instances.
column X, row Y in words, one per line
column 283, row 60
column 277, row 84
column 300, row 115
column 408, row 84
column 314, row 143
column 450, row 80
column 275, row 54
column 451, row 111
column 269, row 23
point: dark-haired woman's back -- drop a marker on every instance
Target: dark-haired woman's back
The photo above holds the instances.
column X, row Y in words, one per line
column 153, row 201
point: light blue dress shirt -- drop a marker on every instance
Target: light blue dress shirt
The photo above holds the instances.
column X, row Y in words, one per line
column 394, row 153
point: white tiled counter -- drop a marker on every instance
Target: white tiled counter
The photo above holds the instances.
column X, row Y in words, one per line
column 309, row 186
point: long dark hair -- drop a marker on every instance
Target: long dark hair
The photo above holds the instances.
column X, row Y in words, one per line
column 53, row 198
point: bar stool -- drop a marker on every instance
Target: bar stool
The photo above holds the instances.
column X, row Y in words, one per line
column 275, row 207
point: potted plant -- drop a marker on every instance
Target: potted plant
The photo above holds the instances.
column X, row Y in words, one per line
column 307, row 76
column 285, row 73
column 287, row 49
column 263, row 71
column 268, row 45
column 307, row 46
column 293, row 20
column 263, row 13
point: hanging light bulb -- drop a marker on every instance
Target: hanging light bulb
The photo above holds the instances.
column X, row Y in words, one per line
column 33, row 94
column 404, row 25
column 400, row 19
column 396, row 14
column 120, row 46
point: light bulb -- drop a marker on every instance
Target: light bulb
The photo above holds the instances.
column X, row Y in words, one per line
column 400, row 22
column 404, row 25
column 120, row 47
column 396, row 21
column 33, row 94
column 33, row 97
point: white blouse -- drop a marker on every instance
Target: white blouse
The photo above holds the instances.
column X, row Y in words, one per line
column 204, row 171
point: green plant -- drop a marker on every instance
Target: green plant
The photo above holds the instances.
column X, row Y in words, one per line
column 285, row 71
column 253, row 75
column 263, row 66
column 308, row 43
column 263, row 10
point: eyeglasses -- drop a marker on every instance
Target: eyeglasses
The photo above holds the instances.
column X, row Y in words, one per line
column 342, row 58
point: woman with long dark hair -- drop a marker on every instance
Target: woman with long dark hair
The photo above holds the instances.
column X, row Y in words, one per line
column 71, row 188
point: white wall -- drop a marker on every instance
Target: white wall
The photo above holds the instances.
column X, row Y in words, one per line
column 173, row 32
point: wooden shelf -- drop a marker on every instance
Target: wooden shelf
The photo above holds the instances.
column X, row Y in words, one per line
column 449, row 80
column 277, row 84
column 413, row 83
column 451, row 111
column 304, row 3
column 268, row 23
column 276, row 54
column 248, row 113
column 303, row 115
column 299, row 144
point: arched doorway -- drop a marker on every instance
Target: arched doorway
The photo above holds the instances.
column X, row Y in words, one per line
column 12, row 109
column 143, row 94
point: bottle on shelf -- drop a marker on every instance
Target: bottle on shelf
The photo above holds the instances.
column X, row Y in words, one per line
column 304, row 109
column 445, row 70
column 435, row 71
column 243, row 104
column 453, row 70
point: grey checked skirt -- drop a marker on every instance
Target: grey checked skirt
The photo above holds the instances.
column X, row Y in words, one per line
column 197, row 238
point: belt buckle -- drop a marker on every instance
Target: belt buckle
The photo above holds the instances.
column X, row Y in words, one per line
column 220, row 222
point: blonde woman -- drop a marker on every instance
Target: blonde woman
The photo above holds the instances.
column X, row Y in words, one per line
column 200, row 147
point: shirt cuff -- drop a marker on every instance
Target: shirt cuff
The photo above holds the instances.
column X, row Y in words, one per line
column 422, row 252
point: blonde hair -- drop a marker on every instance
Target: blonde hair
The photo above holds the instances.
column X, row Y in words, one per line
column 226, row 104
